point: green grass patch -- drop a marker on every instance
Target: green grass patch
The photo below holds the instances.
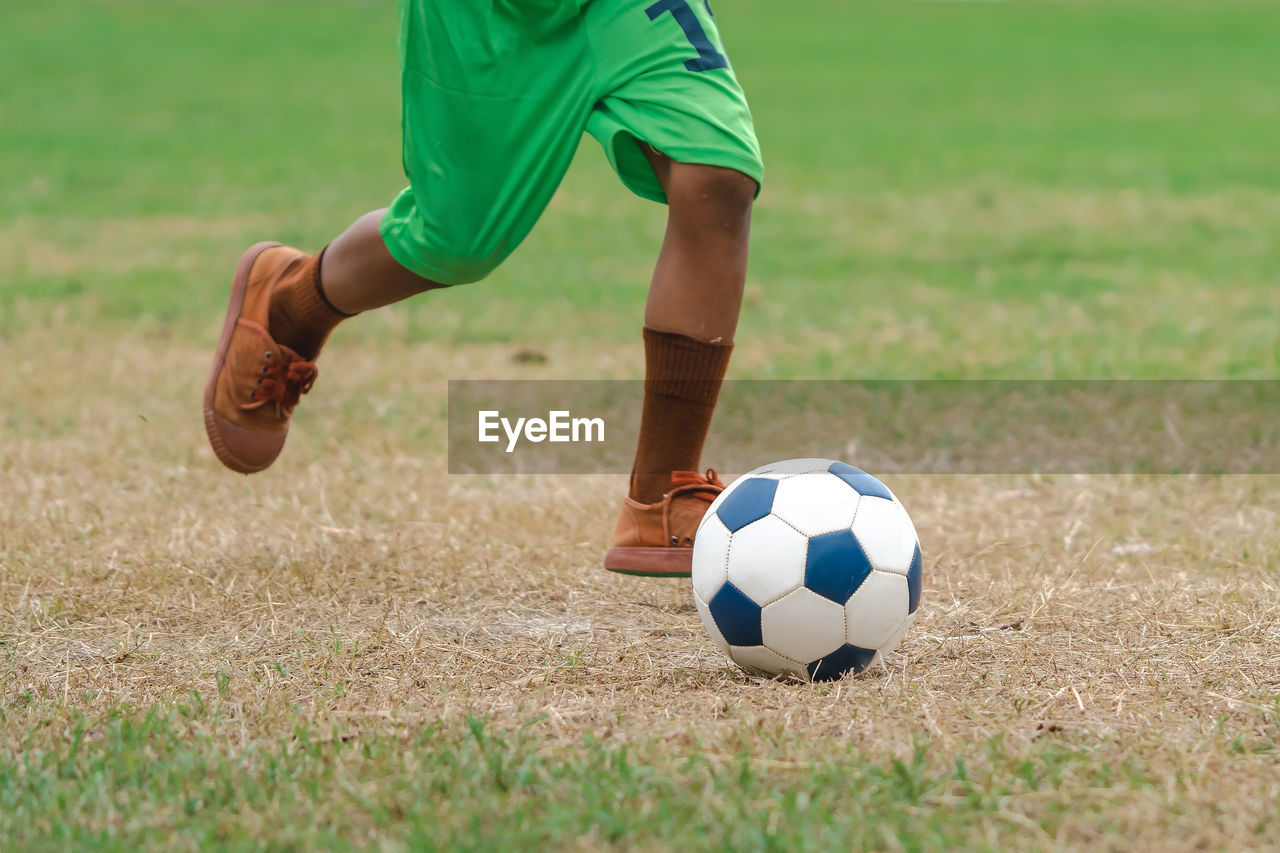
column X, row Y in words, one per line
column 167, row 780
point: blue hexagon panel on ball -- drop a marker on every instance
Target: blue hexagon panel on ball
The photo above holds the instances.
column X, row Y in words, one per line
column 843, row 661
column 862, row 482
column 809, row 568
column 835, row 565
column 752, row 501
column 736, row 616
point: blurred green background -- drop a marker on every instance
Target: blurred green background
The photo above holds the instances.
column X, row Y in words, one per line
column 954, row 189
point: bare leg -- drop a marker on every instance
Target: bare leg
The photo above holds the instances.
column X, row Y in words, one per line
column 690, row 317
column 358, row 273
column 698, row 281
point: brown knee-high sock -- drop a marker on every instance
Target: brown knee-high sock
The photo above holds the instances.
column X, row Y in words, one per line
column 300, row 316
column 682, row 381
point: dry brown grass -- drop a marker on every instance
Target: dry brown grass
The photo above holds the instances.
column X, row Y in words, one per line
column 355, row 583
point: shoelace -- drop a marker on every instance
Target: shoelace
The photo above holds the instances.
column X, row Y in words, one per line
column 704, row 487
column 694, row 485
column 282, row 383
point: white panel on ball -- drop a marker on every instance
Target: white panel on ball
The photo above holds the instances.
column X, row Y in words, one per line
column 760, row 660
column 896, row 639
column 710, row 624
column 886, row 534
column 789, row 467
column 710, row 566
column 876, row 611
column 803, row 625
column 815, row 503
column 766, row 560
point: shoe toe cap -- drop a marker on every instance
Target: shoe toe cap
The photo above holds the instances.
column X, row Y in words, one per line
column 240, row 449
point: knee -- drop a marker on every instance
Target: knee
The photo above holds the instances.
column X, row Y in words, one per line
column 462, row 258
column 711, row 194
column 467, row 267
column 447, row 244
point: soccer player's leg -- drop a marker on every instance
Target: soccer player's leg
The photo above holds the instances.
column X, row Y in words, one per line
column 688, row 333
column 490, row 127
column 678, row 132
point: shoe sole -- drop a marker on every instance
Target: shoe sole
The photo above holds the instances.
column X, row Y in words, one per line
column 653, row 562
column 234, row 306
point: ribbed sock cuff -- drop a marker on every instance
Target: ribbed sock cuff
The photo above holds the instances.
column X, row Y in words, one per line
column 319, row 285
column 300, row 316
column 310, row 306
column 684, row 368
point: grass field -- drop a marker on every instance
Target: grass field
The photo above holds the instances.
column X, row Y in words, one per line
column 355, row 649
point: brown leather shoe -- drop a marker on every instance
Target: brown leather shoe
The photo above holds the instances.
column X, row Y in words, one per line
column 657, row 539
column 255, row 382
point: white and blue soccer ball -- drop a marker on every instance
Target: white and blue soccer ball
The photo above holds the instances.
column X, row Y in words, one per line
column 808, row 567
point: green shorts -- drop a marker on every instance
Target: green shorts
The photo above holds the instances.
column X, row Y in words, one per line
column 497, row 94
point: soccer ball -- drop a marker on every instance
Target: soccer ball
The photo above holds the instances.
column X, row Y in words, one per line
column 808, row 567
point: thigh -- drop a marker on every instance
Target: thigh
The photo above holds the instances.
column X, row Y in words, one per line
column 665, row 80
column 495, row 100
